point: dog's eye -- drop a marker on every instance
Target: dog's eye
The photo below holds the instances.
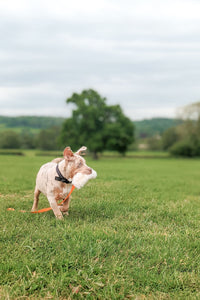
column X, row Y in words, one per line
column 80, row 165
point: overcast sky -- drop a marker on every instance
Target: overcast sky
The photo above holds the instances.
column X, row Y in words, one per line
column 141, row 54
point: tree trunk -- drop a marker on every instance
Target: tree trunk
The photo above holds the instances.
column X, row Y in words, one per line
column 95, row 155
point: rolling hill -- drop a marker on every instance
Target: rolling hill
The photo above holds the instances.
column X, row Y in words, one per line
column 152, row 127
column 143, row 128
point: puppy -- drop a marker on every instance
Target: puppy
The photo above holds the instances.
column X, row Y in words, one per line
column 56, row 178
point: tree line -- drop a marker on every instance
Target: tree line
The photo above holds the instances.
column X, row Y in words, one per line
column 30, row 122
column 30, row 132
column 102, row 127
column 45, row 139
column 93, row 123
column 156, row 126
column 182, row 139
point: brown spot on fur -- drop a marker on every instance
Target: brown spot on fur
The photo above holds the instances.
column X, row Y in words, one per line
column 73, row 171
column 58, row 193
column 62, row 184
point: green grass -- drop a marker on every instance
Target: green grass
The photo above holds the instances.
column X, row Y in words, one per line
column 137, row 154
column 20, row 129
column 132, row 233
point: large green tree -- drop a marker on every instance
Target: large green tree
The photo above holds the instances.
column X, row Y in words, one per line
column 95, row 124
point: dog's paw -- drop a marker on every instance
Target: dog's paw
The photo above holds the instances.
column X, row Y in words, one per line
column 65, row 213
column 59, row 217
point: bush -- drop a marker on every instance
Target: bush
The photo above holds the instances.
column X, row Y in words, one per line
column 11, row 152
column 27, row 139
column 10, row 139
column 154, row 143
column 169, row 138
column 196, row 148
column 47, row 139
column 183, row 148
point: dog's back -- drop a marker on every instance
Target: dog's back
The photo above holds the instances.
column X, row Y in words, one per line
column 57, row 160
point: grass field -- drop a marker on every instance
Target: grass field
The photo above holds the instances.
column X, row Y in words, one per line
column 132, row 233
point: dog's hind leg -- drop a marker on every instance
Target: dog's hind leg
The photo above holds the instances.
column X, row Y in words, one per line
column 36, row 199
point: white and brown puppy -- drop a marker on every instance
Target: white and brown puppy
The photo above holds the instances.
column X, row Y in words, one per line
column 56, row 178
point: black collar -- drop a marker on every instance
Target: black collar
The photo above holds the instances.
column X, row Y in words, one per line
column 60, row 177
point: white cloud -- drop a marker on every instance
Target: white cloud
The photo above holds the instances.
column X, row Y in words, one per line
column 140, row 54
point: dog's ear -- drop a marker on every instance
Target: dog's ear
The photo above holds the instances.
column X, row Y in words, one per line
column 79, row 152
column 68, row 154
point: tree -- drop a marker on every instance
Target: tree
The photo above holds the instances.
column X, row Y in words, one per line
column 190, row 112
column 47, row 139
column 154, row 143
column 10, row 139
column 27, row 139
column 170, row 136
column 189, row 132
column 98, row 126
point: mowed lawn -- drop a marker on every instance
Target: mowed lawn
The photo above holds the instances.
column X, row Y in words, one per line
column 132, row 233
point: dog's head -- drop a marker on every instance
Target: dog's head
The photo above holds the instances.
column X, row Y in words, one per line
column 76, row 164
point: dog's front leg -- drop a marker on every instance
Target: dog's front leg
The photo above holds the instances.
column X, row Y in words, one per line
column 65, row 207
column 55, row 208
